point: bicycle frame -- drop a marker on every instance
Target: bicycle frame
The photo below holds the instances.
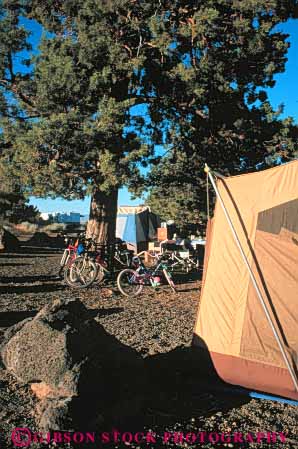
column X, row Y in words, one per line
column 102, row 256
column 185, row 262
column 68, row 256
column 70, row 250
column 149, row 274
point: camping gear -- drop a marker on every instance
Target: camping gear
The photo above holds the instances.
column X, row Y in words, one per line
column 248, row 315
column 162, row 234
column 137, row 226
column 182, row 255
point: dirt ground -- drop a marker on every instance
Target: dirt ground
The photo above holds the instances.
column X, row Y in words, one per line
column 158, row 326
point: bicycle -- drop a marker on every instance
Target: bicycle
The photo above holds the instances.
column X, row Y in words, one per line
column 184, row 260
column 97, row 263
column 70, row 253
column 131, row 282
column 182, row 257
column 117, row 256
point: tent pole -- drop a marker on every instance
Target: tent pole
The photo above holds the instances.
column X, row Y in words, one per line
column 253, row 279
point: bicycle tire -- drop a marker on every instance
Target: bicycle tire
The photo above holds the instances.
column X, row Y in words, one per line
column 67, row 274
column 100, row 277
column 169, row 280
column 76, row 278
column 123, row 287
column 63, row 262
column 60, row 272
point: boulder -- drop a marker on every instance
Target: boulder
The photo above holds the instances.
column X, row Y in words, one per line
column 8, row 242
column 45, row 347
column 75, row 368
column 42, row 239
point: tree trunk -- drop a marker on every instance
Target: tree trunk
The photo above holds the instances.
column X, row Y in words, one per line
column 102, row 219
column 2, row 244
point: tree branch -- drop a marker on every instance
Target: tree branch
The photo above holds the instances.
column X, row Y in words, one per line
column 10, row 67
column 141, row 99
column 11, row 85
column 22, row 96
column 21, row 119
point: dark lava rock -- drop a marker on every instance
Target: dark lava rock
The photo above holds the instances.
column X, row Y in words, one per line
column 44, row 348
column 73, row 364
column 42, row 239
column 8, row 242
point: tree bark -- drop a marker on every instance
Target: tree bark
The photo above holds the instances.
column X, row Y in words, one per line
column 102, row 218
column 2, row 244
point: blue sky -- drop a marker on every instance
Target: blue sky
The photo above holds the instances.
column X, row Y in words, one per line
column 284, row 92
column 82, row 206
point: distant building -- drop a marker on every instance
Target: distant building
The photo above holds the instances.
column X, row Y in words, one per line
column 71, row 217
column 60, row 217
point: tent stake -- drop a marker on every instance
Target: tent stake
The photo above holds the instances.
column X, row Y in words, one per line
column 253, row 279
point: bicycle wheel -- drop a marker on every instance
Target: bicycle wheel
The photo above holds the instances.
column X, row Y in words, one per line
column 81, row 273
column 100, row 274
column 128, row 282
column 63, row 262
column 71, row 274
column 169, row 280
column 60, row 272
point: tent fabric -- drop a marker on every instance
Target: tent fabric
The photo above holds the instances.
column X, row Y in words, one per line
column 121, row 225
column 231, row 323
column 124, row 210
column 136, row 225
column 126, row 228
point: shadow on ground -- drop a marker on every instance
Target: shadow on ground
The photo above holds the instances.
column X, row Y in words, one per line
column 9, row 264
column 27, row 279
column 182, row 385
column 186, row 278
column 28, row 251
column 163, row 393
column 23, row 289
column 10, row 318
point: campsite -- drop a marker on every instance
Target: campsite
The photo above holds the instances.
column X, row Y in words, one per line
column 87, row 362
column 143, row 376
column 159, row 330
column 148, row 224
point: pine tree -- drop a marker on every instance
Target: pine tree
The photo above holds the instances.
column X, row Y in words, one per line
column 199, row 67
column 13, row 40
column 73, row 132
column 215, row 106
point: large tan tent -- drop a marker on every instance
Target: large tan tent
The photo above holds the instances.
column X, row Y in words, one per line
column 247, row 347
